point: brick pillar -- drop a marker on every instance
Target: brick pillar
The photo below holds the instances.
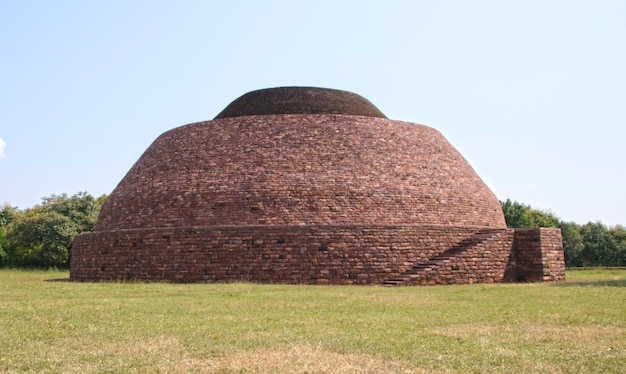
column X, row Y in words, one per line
column 539, row 255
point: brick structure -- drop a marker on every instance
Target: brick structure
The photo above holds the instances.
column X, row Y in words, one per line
column 308, row 185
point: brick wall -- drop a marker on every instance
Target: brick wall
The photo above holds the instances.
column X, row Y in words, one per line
column 485, row 257
column 288, row 254
column 312, row 254
column 300, row 169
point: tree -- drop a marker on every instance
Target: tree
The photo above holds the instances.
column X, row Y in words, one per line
column 515, row 214
column 43, row 235
column 573, row 245
column 7, row 213
column 600, row 248
column 519, row 215
column 82, row 208
column 619, row 238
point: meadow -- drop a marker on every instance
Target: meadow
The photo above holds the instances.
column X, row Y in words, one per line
column 48, row 324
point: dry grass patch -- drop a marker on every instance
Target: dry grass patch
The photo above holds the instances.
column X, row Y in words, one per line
column 167, row 355
column 306, row 359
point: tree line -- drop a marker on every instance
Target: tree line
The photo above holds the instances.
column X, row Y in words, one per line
column 42, row 236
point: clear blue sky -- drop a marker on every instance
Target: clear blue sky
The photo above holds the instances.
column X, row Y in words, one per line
column 532, row 93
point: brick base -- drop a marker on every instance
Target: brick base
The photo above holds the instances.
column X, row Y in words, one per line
column 323, row 254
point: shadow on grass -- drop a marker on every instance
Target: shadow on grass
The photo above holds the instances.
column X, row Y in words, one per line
column 596, row 283
column 57, row 280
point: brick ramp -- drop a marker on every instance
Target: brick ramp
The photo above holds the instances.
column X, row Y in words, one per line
column 453, row 266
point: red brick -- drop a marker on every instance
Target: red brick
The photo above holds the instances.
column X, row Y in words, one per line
column 308, row 198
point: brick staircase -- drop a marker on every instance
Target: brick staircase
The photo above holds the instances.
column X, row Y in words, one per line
column 451, row 266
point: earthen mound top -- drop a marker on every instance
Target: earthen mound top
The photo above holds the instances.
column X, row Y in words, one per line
column 300, row 100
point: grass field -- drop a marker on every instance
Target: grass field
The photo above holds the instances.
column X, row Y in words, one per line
column 48, row 324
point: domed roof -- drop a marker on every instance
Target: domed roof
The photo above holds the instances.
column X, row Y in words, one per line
column 300, row 100
column 300, row 156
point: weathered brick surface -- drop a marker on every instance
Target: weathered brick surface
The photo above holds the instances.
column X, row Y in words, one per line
column 319, row 255
column 484, row 257
column 493, row 255
column 287, row 254
column 539, row 255
column 300, row 169
column 350, row 198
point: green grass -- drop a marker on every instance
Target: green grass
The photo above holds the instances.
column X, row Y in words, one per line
column 48, row 324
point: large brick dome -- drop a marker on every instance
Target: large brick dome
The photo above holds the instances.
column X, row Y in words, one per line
column 265, row 163
column 298, row 163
